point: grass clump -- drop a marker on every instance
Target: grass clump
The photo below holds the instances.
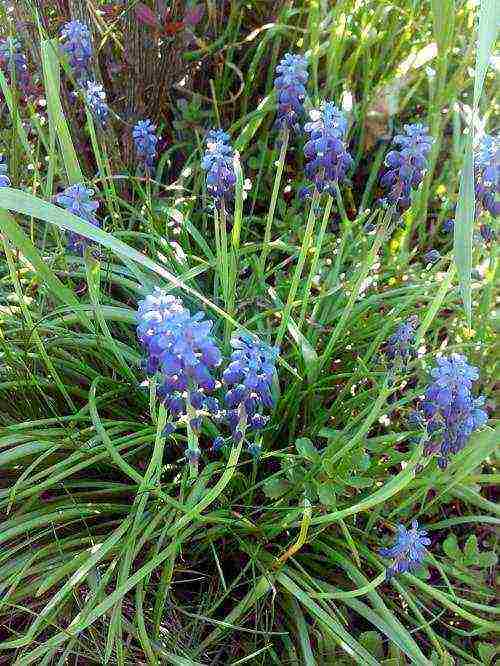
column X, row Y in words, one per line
column 245, row 416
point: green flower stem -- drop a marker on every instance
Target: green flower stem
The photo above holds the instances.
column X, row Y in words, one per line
column 315, row 260
column 306, row 244
column 274, row 199
column 192, row 439
column 233, row 263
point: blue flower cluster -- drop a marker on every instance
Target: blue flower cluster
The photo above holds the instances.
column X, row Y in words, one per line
column 400, row 347
column 448, row 226
column 487, row 175
column 4, row 178
column 145, row 141
column 326, row 149
column 181, row 347
column 218, row 162
column 290, row 84
column 96, row 99
column 408, row 551
column 77, row 47
column 432, row 256
column 13, row 62
column 406, row 165
column 249, row 377
column 449, row 412
column 77, row 199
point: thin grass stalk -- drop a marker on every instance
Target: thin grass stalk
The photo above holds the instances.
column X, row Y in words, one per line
column 304, row 250
column 379, row 239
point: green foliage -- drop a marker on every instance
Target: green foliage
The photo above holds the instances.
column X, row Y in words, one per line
column 110, row 552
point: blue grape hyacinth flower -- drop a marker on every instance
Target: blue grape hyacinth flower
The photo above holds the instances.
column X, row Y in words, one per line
column 448, row 226
column 77, row 199
column 13, row 62
column 290, row 84
column 145, row 140
column 432, row 256
column 408, row 552
column 326, row 151
column 181, row 348
column 406, row 165
column 400, row 347
column 77, row 47
column 449, row 412
column 487, row 175
column 4, row 178
column 96, row 99
column 218, row 162
column 249, row 378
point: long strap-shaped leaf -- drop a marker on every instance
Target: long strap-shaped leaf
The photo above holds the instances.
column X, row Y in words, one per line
column 464, row 221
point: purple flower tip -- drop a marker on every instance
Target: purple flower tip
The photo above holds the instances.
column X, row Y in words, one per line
column 77, row 46
column 290, row 85
column 77, row 199
column 408, row 551
column 145, row 141
column 450, row 413
column 218, row 162
column 326, row 151
column 406, row 165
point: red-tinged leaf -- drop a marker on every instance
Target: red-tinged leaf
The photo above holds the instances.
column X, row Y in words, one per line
column 146, row 15
column 173, row 27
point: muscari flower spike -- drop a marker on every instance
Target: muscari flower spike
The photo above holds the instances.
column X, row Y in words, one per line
column 77, row 200
column 218, row 162
column 406, row 165
column 487, row 175
column 290, row 84
column 409, row 550
column 96, row 99
column 77, row 46
column 13, row 61
column 432, row 256
column 4, row 179
column 400, row 347
column 145, row 140
column 249, row 377
column 448, row 226
column 326, row 151
column 449, row 412
column 180, row 347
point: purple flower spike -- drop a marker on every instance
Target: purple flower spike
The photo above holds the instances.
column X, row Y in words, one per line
column 13, row 62
column 218, row 162
column 326, row 151
column 77, row 46
column 448, row 226
column 290, row 84
column 96, row 99
column 77, row 200
column 487, row 175
column 408, row 552
column 406, row 165
column 145, row 141
column 449, row 412
column 432, row 256
column 400, row 347
column 249, row 377
column 181, row 348
column 4, row 179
